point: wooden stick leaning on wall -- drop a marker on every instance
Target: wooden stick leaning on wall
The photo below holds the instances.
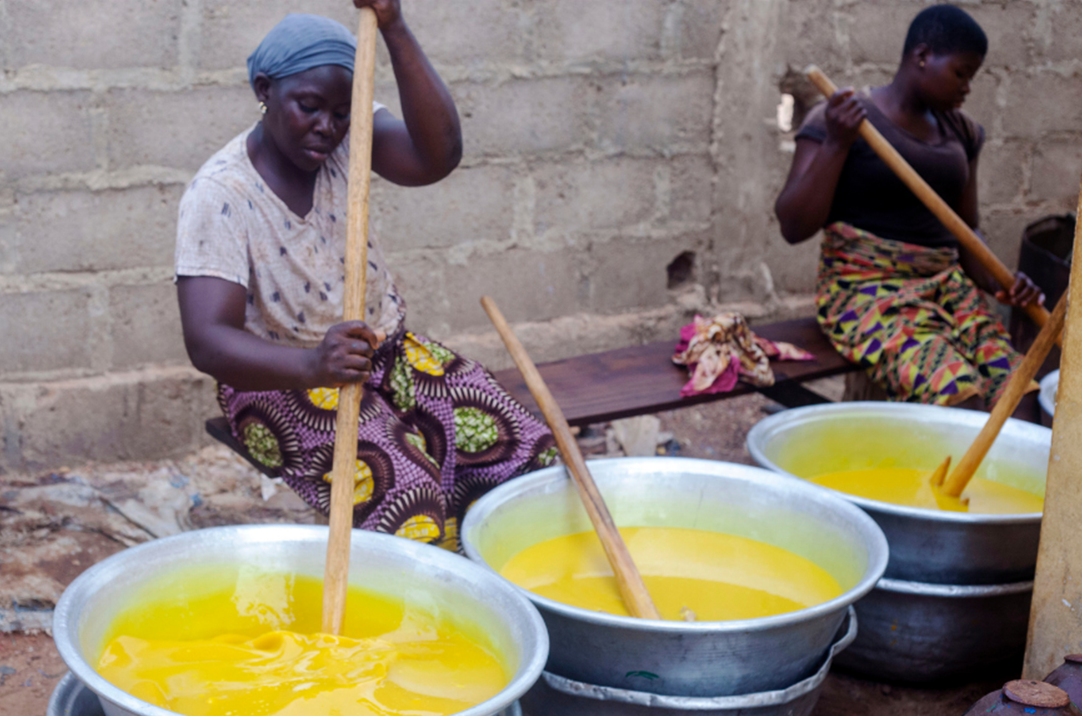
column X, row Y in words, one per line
column 954, row 223
column 632, row 588
column 1012, row 395
column 336, row 572
column 1054, row 627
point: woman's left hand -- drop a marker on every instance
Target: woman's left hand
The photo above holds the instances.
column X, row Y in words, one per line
column 1022, row 293
column 388, row 12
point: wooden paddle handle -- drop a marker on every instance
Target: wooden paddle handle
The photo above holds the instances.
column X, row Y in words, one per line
column 336, row 572
column 1012, row 394
column 632, row 588
column 954, row 223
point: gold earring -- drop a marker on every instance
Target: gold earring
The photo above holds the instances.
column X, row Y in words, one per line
column 262, row 108
column 921, row 64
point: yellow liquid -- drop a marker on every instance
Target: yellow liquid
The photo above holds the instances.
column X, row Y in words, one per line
column 253, row 649
column 911, row 487
column 717, row 576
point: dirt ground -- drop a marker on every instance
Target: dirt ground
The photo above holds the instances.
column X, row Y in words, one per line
column 53, row 526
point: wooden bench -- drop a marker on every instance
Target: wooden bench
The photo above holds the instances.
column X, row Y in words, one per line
column 637, row 380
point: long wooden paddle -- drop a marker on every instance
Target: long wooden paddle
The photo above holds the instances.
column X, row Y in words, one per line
column 1012, row 394
column 632, row 588
column 336, row 572
column 954, row 223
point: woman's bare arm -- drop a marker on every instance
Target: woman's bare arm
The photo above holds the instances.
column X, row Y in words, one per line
column 804, row 203
column 212, row 316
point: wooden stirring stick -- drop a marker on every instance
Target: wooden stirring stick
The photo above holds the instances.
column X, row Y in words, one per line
column 632, row 588
column 954, row 223
column 336, row 572
column 1012, row 394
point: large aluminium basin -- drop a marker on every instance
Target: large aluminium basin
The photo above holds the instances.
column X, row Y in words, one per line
column 682, row 658
column 434, row 579
column 927, row 546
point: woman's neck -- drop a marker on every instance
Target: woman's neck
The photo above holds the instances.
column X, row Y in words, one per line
column 901, row 102
column 293, row 186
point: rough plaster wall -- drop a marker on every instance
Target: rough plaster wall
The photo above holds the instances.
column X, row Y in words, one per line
column 603, row 139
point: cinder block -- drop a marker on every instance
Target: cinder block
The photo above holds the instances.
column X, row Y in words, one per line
column 144, row 415
column 693, row 29
column 981, row 102
column 585, row 196
column 196, row 122
column 92, row 231
column 793, row 269
column 472, row 204
column 999, row 172
column 1041, row 101
column 232, row 30
column 1065, row 33
column 525, row 116
column 1055, row 172
column 692, row 188
column 44, row 331
column 630, row 273
column 811, row 35
column 527, row 285
column 659, row 113
column 490, row 32
column 877, row 29
column 93, row 35
column 575, row 31
column 45, row 133
column 1007, row 26
column 145, row 325
column 1002, row 228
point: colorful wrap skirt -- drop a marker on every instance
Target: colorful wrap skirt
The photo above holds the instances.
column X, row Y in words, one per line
column 911, row 318
column 436, row 432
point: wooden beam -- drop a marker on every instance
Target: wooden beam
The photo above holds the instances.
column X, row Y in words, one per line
column 1055, row 620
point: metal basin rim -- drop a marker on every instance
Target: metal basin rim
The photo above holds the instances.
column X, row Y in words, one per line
column 763, row 431
column 528, row 672
column 872, row 539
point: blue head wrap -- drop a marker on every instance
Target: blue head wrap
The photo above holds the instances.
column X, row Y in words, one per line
column 299, row 43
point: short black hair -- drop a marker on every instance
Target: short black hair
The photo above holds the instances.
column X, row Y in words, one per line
column 945, row 29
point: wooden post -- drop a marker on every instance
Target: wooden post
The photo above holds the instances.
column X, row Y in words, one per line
column 1055, row 620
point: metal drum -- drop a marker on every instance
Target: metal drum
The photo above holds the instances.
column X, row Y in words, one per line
column 925, row 545
column 706, row 659
column 931, row 632
column 389, row 565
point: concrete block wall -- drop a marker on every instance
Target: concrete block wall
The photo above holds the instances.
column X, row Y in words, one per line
column 603, row 141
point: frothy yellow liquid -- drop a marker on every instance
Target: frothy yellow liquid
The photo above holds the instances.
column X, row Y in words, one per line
column 911, row 487
column 255, row 650
column 716, row 576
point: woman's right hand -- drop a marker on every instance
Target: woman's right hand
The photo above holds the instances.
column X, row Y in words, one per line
column 844, row 114
column 345, row 355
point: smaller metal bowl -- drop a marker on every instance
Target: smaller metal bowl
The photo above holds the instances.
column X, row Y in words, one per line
column 428, row 576
column 706, row 659
column 933, row 546
column 914, row 632
column 554, row 694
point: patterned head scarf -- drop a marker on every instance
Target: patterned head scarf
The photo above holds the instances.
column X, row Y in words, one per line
column 299, row 43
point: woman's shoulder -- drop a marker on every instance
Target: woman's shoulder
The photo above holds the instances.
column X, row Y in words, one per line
column 226, row 169
column 814, row 125
column 968, row 130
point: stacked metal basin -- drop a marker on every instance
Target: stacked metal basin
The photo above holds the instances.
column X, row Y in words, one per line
column 956, row 595
column 702, row 660
column 389, row 565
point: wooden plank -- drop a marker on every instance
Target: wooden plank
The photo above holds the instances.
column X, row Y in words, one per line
column 643, row 379
column 1055, row 620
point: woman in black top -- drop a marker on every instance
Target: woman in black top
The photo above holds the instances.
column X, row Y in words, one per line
column 896, row 293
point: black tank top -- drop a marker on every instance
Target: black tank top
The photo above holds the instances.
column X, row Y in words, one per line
column 871, row 197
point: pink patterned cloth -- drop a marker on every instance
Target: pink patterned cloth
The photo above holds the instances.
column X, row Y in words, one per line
column 720, row 351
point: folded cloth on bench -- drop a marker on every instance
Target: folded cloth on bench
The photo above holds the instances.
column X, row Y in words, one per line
column 721, row 350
